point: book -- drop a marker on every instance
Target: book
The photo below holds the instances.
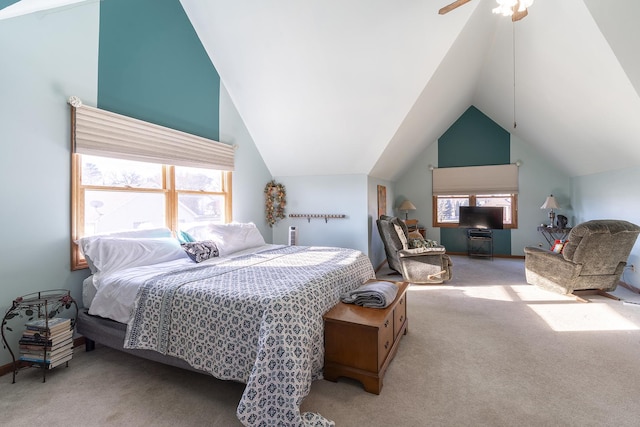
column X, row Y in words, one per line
column 51, row 365
column 48, row 325
column 32, row 358
column 40, row 347
column 59, row 362
column 50, row 354
column 37, row 339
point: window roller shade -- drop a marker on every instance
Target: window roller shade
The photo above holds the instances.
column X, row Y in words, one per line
column 103, row 133
column 494, row 179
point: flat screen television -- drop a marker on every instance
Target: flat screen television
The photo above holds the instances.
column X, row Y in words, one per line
column 483, row 217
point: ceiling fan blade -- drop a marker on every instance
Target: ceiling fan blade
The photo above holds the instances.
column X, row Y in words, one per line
column 518, row 15
column 448, row 8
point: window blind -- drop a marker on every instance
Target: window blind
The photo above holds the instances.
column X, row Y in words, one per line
column 103, row 133
column 494, row 179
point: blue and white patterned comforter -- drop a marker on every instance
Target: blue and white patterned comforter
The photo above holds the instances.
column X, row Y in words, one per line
column 255, row 319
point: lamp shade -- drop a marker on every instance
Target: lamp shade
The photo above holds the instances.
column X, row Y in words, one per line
column 407, row 206
column 550, row 203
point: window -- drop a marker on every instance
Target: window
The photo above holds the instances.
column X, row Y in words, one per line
column 445, row 207
column 112, row 195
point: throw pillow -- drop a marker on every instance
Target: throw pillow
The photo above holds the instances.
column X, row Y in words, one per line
column 184, row 237
column 401, row 235
column 414, row 235
column 421, row 243
column 558, row 246
column 201, row 251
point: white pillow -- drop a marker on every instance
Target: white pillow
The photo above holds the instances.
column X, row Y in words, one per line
column 235, row 237
column 401, row 236
column 110, row 254
column 150, row 233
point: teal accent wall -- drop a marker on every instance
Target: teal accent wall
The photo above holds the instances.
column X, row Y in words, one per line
column 152, row 66
column 5, row 3
column 474, row 140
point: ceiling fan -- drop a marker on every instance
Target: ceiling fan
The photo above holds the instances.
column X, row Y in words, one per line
column 517, row 9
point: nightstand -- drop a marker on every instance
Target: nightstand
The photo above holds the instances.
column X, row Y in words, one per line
column 45, row 334
column 412, row 225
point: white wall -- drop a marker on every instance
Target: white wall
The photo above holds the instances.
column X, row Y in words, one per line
column 251, row 173
column 416, row 184
column 538, row 177
column 336, row 194
column 610, row 195
column 45, row 58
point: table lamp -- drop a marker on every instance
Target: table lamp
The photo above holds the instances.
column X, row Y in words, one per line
column 406, row 206
column 552, row 204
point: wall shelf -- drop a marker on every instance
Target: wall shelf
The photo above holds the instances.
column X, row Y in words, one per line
column 325, row 216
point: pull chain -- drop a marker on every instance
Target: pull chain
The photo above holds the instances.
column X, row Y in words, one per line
column 514, row 75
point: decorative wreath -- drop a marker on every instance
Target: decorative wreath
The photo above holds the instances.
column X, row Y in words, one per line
column 275, row 202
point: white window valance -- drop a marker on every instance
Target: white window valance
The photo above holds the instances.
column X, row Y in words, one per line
column 494, row 179
column 103, row 133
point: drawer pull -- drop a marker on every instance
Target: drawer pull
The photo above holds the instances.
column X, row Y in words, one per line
column 401, row 318
column 386, row 324
column 386, row 345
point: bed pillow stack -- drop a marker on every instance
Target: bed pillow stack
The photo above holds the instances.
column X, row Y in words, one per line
column 235, row 237
column 111, row 252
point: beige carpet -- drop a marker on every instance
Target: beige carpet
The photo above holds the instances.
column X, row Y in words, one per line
column 485, row 349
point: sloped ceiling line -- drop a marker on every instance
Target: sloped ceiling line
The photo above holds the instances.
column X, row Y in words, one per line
column 332, row 87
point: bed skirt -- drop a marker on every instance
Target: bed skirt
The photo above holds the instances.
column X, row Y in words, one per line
column 111, row 334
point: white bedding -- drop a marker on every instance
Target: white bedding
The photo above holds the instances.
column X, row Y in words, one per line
column 112, row 295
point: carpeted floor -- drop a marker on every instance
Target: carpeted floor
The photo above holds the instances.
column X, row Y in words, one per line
column 484, row 349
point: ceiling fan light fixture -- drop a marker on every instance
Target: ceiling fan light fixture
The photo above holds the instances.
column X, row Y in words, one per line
column 508, row 7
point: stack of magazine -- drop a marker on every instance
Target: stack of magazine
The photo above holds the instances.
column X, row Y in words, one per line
column 47, row 342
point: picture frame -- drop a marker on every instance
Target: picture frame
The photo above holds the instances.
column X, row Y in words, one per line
column 382, row 200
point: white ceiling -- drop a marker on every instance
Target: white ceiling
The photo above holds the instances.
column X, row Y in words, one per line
column 362, row 86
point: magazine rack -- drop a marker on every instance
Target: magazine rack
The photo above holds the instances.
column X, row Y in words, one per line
column 38, row 305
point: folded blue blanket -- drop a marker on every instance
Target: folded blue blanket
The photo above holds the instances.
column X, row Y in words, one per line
column 373, row 294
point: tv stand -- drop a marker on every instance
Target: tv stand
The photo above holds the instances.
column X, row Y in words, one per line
column 480, row 242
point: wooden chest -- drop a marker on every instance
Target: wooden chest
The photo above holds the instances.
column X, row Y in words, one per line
column 361, row 342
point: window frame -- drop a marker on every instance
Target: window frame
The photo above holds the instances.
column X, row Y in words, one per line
column 168, row 190
column 472, row 202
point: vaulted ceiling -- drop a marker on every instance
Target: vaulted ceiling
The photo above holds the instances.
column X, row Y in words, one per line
column 362, row 86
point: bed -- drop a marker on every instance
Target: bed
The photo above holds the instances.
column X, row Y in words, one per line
column 252, row 315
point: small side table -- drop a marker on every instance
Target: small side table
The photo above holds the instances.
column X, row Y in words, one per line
column 480, row 242
column 37, row 305
column 412, row 225
column 551, row 234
